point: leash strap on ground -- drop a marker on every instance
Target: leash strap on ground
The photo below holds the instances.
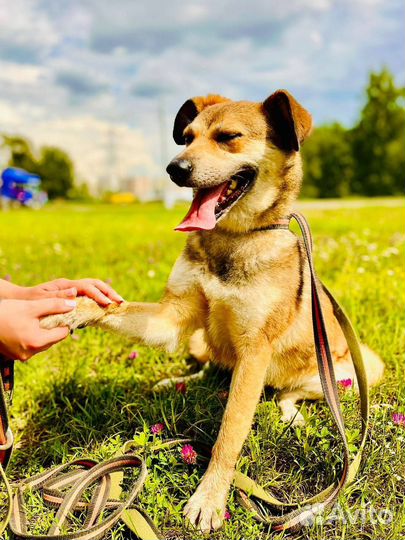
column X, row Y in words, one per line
column 317, row 504
column 63, row 486
column 107, row 477
column 6, row 435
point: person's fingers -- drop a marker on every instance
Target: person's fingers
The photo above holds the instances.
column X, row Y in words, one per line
column 52, row 306
column 47, row 338
column 57, row 293
column 96, row 289
column 56, row 334
column 48, row 286
column 85, row 286
column 41, row 341
column 108, row 291
column 66, row 293
column 62, row 283
column 93, row 292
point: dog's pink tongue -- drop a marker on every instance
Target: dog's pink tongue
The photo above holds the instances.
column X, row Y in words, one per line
column 201, row 215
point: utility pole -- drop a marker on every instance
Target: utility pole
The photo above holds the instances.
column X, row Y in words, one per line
column 111, row 161
column 160, row 188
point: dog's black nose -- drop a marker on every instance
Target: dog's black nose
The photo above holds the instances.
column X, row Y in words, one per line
column 179, row 171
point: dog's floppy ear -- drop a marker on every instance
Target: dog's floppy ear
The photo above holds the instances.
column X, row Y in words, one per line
column 290, row 124
column 189, row 110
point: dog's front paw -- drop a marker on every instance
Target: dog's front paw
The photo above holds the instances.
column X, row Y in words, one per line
column 206, row 508
column 86, row 312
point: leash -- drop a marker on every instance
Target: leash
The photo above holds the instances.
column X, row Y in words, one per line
column 317, row 504
column 63, row 486
column 6, row 435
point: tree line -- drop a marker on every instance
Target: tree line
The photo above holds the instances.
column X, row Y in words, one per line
column 367, row 159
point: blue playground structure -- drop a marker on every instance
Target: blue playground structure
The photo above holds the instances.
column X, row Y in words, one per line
column 21, row 187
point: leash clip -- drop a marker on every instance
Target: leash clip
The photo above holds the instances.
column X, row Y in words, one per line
column 9, row 440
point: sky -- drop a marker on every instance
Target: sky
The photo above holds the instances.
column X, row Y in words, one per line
column 104, row 79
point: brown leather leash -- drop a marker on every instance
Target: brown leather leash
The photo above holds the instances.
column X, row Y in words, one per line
column 307, row 511
column 63, row 486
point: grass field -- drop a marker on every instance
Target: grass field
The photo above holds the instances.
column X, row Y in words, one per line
column 86, row 396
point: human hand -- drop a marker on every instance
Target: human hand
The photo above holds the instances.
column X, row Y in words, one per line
column 20, row 333
column 70, row 288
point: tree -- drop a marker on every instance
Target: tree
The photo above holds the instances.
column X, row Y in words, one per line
column 328, row 162
column 21, row 154
column 56, row 170
column 378, row 139
column 54, row 166
column 368, row 159
column 80, row 192
column 396, row 162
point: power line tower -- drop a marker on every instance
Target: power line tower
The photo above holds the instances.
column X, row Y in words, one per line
column 111, row 176
column 161, row 183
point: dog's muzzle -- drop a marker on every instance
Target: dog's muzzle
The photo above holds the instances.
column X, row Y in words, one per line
column 180, row 171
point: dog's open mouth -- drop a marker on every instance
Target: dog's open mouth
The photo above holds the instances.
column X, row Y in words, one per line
column 211, row 204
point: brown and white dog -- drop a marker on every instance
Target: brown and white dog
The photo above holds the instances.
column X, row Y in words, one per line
column 242, row 292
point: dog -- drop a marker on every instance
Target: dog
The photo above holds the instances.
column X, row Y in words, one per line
column 239, row 289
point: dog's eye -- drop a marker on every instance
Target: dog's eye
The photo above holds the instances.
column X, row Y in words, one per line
column 188, row 139
column 226, row 137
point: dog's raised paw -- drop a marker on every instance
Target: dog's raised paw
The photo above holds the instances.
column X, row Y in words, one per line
column 86, row 312
column 53, row 321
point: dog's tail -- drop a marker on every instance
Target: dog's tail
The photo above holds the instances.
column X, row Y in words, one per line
column 373, row 364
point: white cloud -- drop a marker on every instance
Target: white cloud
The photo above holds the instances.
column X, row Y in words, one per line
column 26, row 31
column 12, row 73
column 71, row 70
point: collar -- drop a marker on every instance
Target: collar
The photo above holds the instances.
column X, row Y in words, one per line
column 283, row 223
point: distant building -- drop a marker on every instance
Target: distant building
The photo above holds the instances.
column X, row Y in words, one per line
column 143, row 187
column 146, row 188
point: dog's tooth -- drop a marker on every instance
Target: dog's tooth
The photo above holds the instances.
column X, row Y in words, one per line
column 234, row 184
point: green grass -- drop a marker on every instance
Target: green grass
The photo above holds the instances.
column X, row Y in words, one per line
column 86, row 397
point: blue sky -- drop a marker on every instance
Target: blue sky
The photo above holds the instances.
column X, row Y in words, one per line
column 74, row 72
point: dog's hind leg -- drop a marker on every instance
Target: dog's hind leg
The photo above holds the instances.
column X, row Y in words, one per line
column 311, row 388
column 199, row 350
column 289, row 412
column 198, row 346
column 171, row 381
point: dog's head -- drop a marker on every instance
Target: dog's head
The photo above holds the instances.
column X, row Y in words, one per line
column 241, row 159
